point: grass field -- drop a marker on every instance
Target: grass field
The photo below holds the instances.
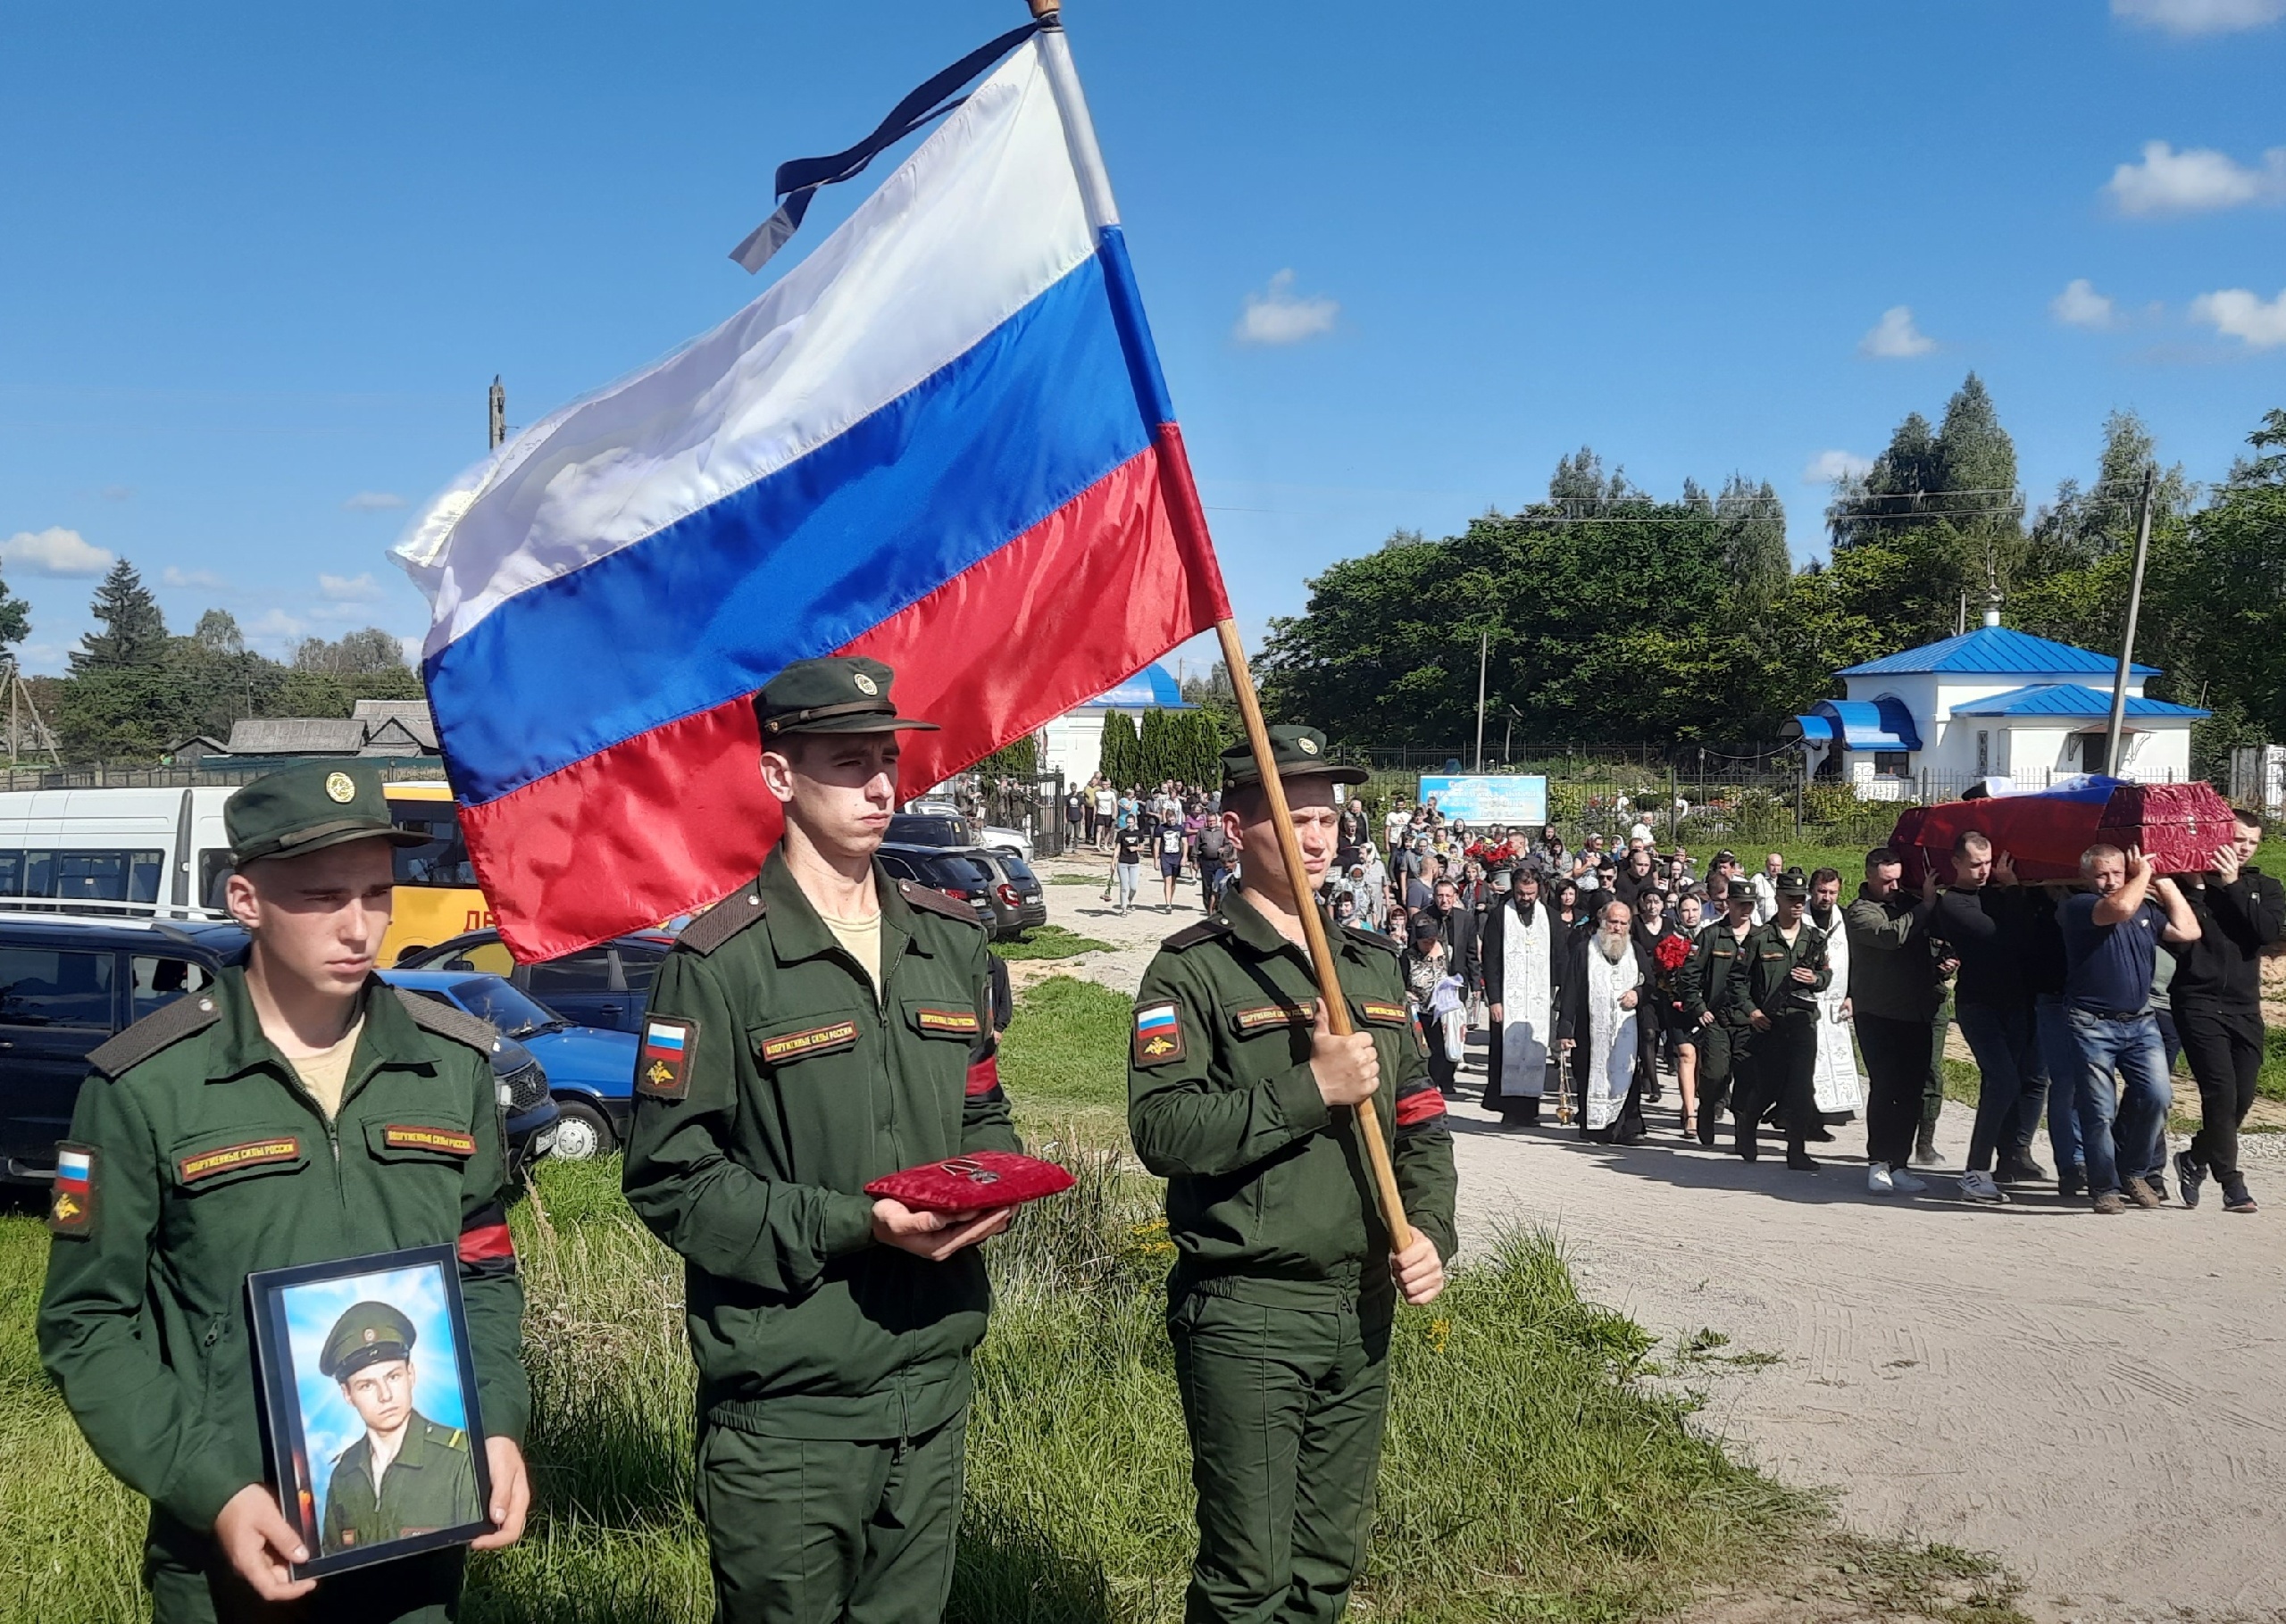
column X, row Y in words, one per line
column 1540, row 1460
column 1049, row 942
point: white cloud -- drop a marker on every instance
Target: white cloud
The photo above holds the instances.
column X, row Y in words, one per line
column 116, row 493
column 204, row 580
column 373, row 502
column 2081, row 306
column 349, row 589
column 1276, row 316
column 2200, row 16
column 1829, row 466
column 413, row 645
column 1894, row 337
column 2195, row 180
column 55, row 552
column 276, row 627
column 2236, row 313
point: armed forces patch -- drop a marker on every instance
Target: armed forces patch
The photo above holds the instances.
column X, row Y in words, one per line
column 662, row 1064
column 72, row 1206
column 1158, row 1034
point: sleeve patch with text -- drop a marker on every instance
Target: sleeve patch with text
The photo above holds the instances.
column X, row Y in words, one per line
column 961, row 1022
column 1158, row 1034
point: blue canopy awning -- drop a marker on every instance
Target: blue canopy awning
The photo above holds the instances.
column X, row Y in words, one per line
column 1858, row 724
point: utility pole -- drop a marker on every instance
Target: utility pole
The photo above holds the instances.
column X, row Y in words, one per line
column 1483, row 653
column 2127, row 638
column 498, row 402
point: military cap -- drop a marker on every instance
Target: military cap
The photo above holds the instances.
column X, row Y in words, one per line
column 308, row 808
column 367, row 1333
column 1793, row 882
column 1740, row 891
column 835, row 694
column 1298, row 752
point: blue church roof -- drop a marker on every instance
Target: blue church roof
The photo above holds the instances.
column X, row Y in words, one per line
column 1152, row 688
column 1994, row 651
column 2072, row 699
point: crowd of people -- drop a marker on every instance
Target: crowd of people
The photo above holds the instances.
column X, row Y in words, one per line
column 1600, row 973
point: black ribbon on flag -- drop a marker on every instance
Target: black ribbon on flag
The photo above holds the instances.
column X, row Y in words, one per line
column 799, row 178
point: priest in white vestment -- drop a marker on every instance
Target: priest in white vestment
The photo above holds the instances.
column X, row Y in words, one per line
column 1521, row 954
column 1607, row 995
column 1840, row 1090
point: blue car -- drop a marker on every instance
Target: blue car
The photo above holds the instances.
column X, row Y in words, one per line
column 590, row 1069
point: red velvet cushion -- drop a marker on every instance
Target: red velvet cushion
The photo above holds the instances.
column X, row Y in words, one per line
column 980, row 1179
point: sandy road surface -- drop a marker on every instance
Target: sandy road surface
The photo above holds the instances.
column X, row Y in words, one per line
column 2100, row 1400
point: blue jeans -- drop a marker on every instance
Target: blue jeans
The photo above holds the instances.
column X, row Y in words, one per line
column 2066, row 1069
column 2134, row 1148
column 2000, row 1037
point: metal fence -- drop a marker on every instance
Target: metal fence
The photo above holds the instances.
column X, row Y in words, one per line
column 392, row 768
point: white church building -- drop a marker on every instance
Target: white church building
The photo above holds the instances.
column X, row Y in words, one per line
column 1990, row 702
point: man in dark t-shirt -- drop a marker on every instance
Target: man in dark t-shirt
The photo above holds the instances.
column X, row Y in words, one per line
column 2112, row 934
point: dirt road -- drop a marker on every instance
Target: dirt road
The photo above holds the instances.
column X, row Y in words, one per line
column 2097, row 1400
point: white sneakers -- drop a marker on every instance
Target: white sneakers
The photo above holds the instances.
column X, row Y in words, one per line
column 1883, row 1180
column 1980, row 1187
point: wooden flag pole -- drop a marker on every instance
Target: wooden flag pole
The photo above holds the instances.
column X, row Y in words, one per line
column 1185, row 513
column 1305, row 903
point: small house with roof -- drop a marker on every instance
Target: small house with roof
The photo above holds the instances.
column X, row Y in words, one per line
column 1990, row 702
column 1074, row 743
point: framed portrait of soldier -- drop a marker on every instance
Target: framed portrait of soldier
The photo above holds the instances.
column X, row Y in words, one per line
column 369, row 1393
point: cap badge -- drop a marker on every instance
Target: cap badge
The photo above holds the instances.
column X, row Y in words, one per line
column 338, row 787
column 866, row 685
column 1308, row 746
column 370, row 1333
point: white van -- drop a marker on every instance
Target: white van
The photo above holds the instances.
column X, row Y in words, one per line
column 148, row 852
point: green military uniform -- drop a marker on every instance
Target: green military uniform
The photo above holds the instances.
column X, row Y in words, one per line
column 774, row 1081
column 207, row 1160
column 430, row 1484
column 1713, row 982
column 1280, row 1298
column 1782, row 1065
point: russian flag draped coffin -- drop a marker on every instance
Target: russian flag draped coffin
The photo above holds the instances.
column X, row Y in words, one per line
column 941, row 440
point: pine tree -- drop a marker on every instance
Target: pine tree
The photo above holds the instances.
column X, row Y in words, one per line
column 135, row 632
column 1754, row 541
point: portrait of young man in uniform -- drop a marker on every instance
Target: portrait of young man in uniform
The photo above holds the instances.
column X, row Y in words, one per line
column 407, row 1474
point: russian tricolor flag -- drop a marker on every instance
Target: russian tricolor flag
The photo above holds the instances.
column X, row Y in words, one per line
column 941, row 440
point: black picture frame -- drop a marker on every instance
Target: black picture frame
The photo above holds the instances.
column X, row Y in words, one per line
column 293, row 1312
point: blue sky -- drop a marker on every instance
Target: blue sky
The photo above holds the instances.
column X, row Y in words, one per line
column 261, row 262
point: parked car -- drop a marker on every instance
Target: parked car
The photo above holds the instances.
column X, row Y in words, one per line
column 941, row 823
column 589, row 1071
column 1032, row 896
column 964, row 876
column 604, row 985
column 69, row 982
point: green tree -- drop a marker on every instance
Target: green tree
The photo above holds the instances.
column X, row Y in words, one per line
column 134, row 631
column 1754, row 538
column 1122, row 750
column 15, row 618
column 358, row 653
column 218, row 633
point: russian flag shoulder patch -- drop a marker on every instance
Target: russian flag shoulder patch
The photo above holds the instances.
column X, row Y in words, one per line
column 72, row 1204
column 662, row 1063
column 1158, row 1034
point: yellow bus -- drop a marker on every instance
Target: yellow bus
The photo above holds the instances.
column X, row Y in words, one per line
column 437, row 896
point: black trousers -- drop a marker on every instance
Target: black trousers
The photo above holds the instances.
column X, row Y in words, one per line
column 1897, row 1067
column 2225, row 1048
column 1779, row 1068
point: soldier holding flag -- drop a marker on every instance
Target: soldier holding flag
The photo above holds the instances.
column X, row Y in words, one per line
column 1286, row 1279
